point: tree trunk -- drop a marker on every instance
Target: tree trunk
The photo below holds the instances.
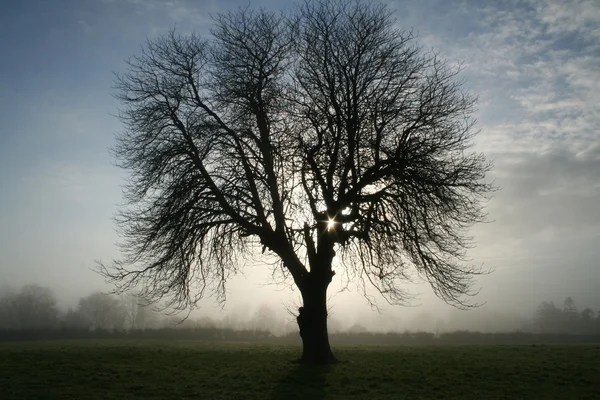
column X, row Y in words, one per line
column 312, row 321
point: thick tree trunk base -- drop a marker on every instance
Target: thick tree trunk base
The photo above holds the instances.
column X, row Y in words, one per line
column 313, row 331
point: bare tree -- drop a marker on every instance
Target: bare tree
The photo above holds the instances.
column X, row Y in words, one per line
column 137, row 313
column 33, row 307
column 102, row 311
column 325, row 133
column 264, row 319
column 74, row 319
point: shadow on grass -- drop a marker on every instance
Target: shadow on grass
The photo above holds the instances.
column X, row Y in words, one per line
column 303, row 382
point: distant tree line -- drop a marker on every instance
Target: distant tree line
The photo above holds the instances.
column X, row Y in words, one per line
column 216, row 334
column 32, row 313
column 550, row 318
column 35, row 307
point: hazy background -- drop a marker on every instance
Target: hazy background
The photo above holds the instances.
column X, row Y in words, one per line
column 534, row 65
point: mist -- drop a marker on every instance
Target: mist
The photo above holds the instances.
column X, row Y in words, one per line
column 35, row 307
column 534, row 67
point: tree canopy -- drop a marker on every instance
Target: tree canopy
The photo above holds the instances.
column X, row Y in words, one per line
column 324, row 132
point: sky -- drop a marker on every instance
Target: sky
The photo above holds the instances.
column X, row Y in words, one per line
column 534, row 64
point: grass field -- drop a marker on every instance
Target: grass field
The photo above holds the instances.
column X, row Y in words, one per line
column 122, row 369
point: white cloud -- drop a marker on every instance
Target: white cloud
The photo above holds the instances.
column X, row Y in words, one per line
column 575, row 16
column 534, row 65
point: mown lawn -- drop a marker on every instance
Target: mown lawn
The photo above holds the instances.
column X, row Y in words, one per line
column 122, row 369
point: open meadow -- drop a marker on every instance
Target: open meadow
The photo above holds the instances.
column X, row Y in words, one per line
column 151, row 369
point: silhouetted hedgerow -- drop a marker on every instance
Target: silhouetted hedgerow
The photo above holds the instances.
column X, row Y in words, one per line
column 343, row 338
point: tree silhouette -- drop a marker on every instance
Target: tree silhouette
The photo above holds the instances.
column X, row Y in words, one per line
column 102, row 311
column 33, row 307
column 321, row 133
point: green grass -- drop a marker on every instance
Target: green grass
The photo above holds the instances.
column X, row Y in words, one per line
column 122, row 369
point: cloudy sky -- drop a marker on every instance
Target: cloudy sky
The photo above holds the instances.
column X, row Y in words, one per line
column 535, row 65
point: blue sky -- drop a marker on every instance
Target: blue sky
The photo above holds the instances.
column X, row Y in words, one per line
column 533, row 63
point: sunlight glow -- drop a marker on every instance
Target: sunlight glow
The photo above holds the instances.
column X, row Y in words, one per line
column 330, row 224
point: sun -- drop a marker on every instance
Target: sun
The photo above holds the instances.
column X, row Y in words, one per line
column 330, row 224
